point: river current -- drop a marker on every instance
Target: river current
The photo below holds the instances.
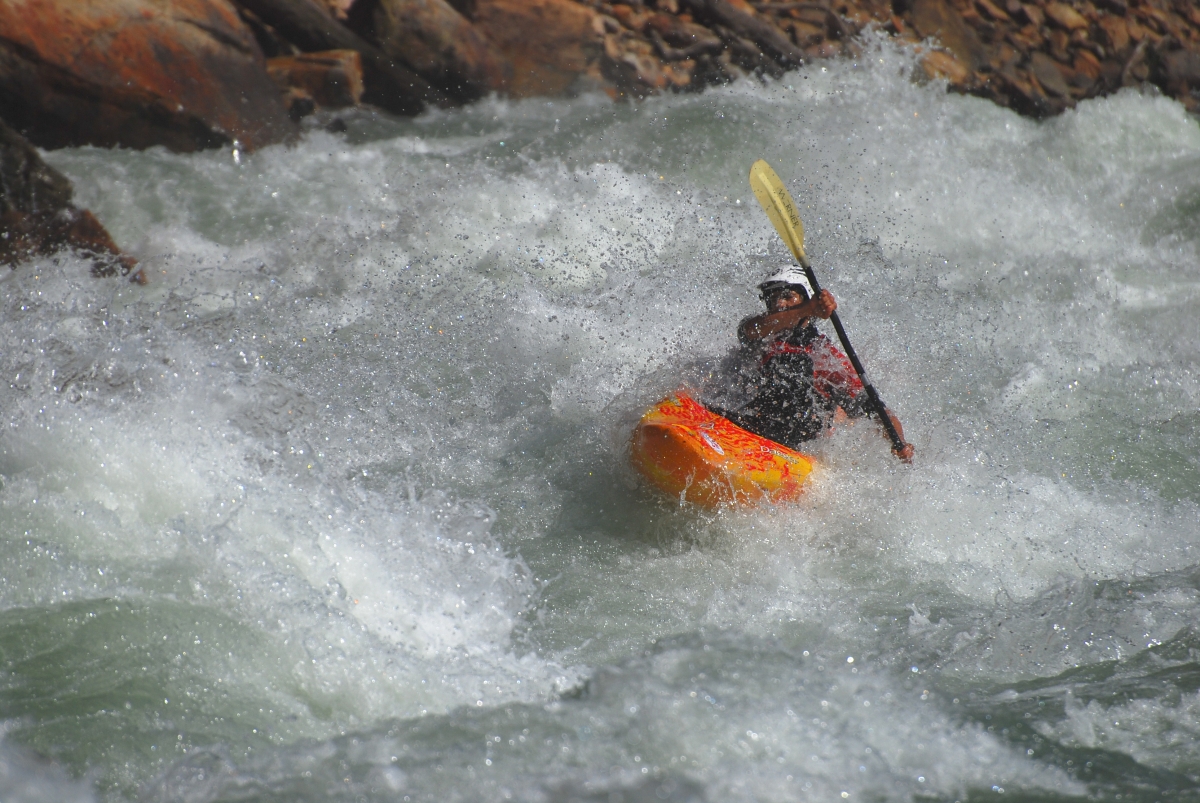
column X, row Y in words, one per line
column 337, row 507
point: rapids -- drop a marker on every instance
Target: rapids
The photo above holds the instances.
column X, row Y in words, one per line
column 337, row 507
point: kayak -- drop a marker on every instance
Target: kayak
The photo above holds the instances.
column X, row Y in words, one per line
column 692, row 453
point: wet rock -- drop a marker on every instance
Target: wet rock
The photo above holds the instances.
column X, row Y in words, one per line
column 37, row 216
column 310, row 28
column 1049, row 74
column 187, row 74
column 745, row 25
column 1067, row 17
column 331, row 79
column 679, row 40
column 940, row 20
column 554, row 46
column 441, row 45
column 1178, row 70
column 1114, row 34
column 938, row 64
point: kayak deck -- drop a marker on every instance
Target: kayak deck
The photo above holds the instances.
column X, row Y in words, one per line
column 688, row 451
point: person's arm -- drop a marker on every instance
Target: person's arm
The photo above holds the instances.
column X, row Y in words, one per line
column 836, row 379
column 768, row 324
column 905, row 453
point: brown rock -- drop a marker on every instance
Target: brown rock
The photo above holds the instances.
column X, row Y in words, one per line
column 1027, row 38
column 681, row 41
column 387, row 82
column 630, row 64
column 824, row 50
column 441, row 45
column 991, row 11
column 1033, row 14
column 1110, row 73
column 1114, row 33
column 1005, row 58
column 939, row 19
column 1136, row 32
column 939, row 64
column 186, row 74
column 1059, row 41
column 1020, row 93
column 804, row 34
column 1087, row 65
column 37, row 217
column 1180, row 70
column 633, row 20
column 680, row 34
column 553, row 45
column 1048, row 74
column 332, row 78
column 1065, row 16
column 762, row 34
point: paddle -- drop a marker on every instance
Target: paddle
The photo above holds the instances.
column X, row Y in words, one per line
column 781, row 209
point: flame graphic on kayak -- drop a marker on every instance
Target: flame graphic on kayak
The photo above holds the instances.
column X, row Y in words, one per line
column 724, row 465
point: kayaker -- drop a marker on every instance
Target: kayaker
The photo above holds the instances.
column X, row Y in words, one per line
column 793, row 382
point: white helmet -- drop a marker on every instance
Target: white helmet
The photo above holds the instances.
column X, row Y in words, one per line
column 790, row 276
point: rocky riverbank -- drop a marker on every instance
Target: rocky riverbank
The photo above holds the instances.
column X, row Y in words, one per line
column 189, row 74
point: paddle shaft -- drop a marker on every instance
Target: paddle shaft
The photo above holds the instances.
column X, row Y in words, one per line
column 872, row 395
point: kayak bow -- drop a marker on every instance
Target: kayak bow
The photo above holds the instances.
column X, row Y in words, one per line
column 690, row 452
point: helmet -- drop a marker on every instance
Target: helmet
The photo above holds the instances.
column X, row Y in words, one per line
column 789, row 276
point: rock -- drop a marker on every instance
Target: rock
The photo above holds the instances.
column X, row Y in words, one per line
column 187, row 74
column 630, row 64
column 804, row 34
column 764, row 35
column 1088, row 66
column 441, row 45
column 554, row 46
column 940, row 20
column 331, row 78
column 1033, row 14
column 1066, row 16
column 1114, row 34
column 1049, row 74
column 688, row 37
column 991, row 11
column 1179, row 70
column 309, row 27
column 938, row 64
column 37, row 216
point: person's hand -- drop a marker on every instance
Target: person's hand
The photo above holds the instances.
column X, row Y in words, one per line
column 823, row 304
column 906, row 453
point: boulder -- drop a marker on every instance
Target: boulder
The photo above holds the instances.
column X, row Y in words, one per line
column 1067, row 17
column 938, row 19
column 441, row 45
column 37, row 216
column 331, row 78
column 310, row 27
column 554, row 46
column 740, row 18
column 135, row 73
column 937, row 64
column 1049, row 74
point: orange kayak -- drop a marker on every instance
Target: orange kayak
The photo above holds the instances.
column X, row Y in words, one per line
column 692, row 453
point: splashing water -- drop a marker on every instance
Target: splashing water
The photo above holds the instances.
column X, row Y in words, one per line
column 337, row 507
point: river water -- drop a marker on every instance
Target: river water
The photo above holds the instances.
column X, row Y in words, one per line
column 337, row 507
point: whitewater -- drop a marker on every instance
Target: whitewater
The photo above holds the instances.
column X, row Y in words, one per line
column 337, row 507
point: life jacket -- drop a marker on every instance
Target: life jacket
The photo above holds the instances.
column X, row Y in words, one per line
column 832, row 375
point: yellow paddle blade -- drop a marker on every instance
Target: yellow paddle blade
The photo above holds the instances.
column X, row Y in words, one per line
column 777, row 202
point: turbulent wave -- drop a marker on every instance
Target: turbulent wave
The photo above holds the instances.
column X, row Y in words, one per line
column 337, row 507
